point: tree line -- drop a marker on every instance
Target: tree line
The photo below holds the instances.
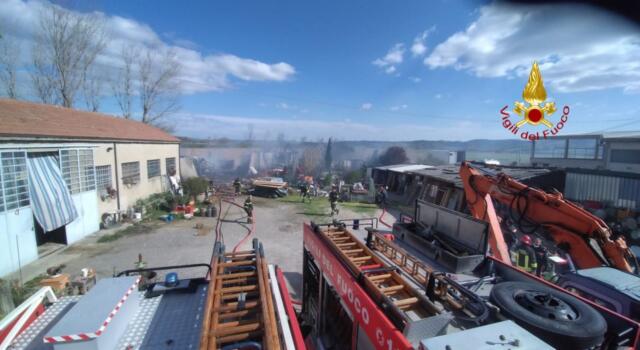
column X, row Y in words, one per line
column 64, row 68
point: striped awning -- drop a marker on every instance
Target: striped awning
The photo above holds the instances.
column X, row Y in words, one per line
column 50, row 198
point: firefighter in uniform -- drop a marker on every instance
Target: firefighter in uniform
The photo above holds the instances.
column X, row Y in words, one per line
column 333, row 199
column 541, row 256
column 248, row 207
column 525, row 255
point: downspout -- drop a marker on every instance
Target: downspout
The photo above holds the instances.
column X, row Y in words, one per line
column 115, row 159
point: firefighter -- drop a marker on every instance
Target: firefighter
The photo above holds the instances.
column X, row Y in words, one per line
column 381, row 197
column 525, row 255
column 541, row 255
column 248, row 207
column 304, row 191
column 237, row 185
column 333, row 199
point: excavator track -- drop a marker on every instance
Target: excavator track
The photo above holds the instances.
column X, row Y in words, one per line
column 240, row 311
column 382, row 282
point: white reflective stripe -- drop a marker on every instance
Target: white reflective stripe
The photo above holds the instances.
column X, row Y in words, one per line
column 282, row 314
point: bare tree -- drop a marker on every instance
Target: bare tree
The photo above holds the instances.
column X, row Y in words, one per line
column 158, row 85
column 92, row 92
column 122, row 86
column 66, row 45
column 9, row 57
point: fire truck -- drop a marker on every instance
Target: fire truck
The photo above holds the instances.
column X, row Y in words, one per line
column 429, row 284
column 238, row 301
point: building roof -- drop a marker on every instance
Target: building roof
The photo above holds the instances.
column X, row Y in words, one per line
column 451, row 173
column 404, row 168
column 35, row 120
column 612, row 135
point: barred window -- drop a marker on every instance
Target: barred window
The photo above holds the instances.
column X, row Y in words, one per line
column 77, row 169
column 170, row 163
column 131, row 173
column 153, row 168
column 103, row 177
column 14, row 190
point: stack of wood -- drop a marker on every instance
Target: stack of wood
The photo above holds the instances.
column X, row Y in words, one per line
column 269, row 184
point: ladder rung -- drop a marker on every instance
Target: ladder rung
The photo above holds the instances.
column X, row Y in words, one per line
column 340, row 239
column 360, row 258
column 234, row 306
column 340, row 245
column 395, row 288
column 237, row 289
column 236, row 275
column 233, row 314
column 379, row 277
column 239, row 329
column 238, row 337
column 237, row 263
column 351, row 251
column 405, row 302
column 236, row 295
column 236, row 323
column 243, row 280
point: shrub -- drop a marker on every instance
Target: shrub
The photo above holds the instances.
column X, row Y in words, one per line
column 195, row 186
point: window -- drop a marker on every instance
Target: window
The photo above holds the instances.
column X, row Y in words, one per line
column 14, row 192
column 549, row 148
column 170, row 164
column 582, row 148
column 131, row 173
column 77, row 169
column 153, row 168
column 103, row 177
column 627, row 156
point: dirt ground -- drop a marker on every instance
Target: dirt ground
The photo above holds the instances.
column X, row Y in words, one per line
column 278, row 227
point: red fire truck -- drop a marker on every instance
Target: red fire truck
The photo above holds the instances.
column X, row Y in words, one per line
column 399, row 290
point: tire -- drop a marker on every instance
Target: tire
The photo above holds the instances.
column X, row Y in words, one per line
column 577, row 326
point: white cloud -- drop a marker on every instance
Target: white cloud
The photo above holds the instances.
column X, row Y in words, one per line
column 398, row 107
column 283, row 105
column 438, row 96
column 419, row 46
column 415, row 79
column 200, row 72
column 579, row 48
column 366, row 106
column 394, row 56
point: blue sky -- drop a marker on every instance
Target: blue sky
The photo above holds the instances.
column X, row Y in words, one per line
column 372, row 69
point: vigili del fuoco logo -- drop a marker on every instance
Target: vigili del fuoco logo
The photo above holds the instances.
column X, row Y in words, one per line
column 536, row 111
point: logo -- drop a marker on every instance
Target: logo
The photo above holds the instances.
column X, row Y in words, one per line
column 534, row 111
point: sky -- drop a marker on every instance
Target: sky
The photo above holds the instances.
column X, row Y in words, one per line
column 367, row 70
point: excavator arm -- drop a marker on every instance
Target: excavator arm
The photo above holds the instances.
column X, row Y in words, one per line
column 583, row 235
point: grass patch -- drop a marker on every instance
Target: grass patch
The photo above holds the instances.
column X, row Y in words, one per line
column 135, row 229
column 318, row 206
column 361, row 208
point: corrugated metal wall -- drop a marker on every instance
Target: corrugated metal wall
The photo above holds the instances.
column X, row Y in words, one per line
column 615, row 191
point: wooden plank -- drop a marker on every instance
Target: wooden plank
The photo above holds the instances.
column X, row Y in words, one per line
column 360, row 258
column 240, row 313
column 234, row 306
column 237, row 263
column 237, row 289
column 239, row 337
column 352, row 251
column 379, row 277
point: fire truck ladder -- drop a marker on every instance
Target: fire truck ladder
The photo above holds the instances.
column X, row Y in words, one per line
column 405, row 304
column 437, row 285
column 240, row 311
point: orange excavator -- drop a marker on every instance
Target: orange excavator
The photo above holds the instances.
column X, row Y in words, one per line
column 584, row 236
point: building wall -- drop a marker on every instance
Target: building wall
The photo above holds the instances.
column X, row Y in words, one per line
column 627, row 167
column 133, row 152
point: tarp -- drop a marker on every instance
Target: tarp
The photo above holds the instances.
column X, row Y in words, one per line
column 50, row 198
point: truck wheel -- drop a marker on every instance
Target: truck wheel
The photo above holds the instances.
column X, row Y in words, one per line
column 559, row 319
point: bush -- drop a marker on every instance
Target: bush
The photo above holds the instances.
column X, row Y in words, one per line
column 195, row 186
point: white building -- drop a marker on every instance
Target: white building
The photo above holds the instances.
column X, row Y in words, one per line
column 61, row 166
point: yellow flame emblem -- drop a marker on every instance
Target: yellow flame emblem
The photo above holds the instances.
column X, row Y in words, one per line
column 534, row 93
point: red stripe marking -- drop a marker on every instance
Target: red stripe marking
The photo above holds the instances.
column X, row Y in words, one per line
column 67, row 338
